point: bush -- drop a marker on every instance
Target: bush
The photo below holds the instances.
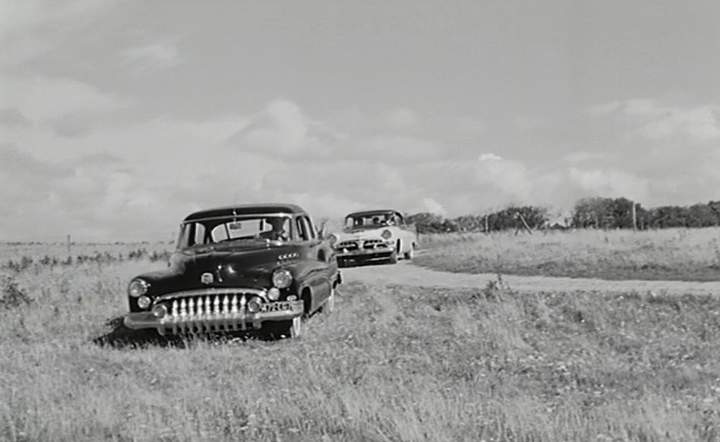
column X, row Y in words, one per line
column 11, row 295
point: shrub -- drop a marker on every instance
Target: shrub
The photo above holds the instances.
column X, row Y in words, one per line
column 11, row 295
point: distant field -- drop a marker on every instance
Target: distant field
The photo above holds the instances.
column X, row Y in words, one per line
column 391, row 363
column 16, row 251
column 672, row 254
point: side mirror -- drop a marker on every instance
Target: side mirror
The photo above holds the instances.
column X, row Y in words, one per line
column 322, row 231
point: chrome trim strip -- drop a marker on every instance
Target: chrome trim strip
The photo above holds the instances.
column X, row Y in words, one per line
column 240, row 217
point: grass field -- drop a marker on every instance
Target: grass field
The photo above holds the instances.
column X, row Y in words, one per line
column 391, row 363
column 672, row 254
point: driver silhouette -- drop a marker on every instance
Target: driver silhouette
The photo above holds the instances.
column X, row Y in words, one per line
column 279, row 229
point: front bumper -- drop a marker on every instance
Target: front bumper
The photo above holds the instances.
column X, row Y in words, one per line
column 212, row 311
column 364, row 250
column 364, row 255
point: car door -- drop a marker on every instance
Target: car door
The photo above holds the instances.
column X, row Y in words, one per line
column 408, row 237
column 318, row 259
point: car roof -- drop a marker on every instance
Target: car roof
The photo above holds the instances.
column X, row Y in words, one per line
column 246, row 209
column 371, row 212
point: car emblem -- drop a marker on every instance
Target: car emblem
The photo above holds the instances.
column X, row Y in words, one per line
column 207, row 278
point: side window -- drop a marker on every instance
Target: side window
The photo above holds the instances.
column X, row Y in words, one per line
column 219, row 233
column 199, row 234
column 301, row 229
column 310, row 227
column 184, row 237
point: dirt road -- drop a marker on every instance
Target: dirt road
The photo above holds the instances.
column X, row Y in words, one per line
column 405, row 273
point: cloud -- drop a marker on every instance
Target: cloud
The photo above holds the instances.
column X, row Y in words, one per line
column 20, row 17
column 30, row 28
column 46, row 199
column 135, row 180
column 699, row 124
column 13, row 117
column 655, row 121
column 511, row 179
column 432, row 206
column 583, row 157
column 152, row 57
column 528, row 123
column 394, row 149
column 282, row 128
column 609, row 183
column 489, row 157
column 401, row 118
column 38, row 108
column 41, row 98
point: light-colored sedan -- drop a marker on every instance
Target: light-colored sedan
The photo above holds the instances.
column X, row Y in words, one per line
column 374, row 236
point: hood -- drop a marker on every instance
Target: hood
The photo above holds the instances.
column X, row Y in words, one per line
column 247, row 267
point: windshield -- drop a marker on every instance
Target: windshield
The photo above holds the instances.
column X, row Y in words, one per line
column 370, row 220
column 234, row 229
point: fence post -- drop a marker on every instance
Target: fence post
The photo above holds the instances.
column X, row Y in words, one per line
column 68, row 244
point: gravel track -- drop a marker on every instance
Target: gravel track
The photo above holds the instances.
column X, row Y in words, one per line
column 405, row 273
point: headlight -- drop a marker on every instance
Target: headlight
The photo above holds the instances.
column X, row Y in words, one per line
column 282, row 278
column 253, row 305
column 332, row 239
column 138, row 287
column 273, row 294
column 144, row 302
column 159, row 311
column 386, row 234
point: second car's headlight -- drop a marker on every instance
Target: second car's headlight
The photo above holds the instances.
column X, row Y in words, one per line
column 386, row 234
column 282, row 278
column 138, row 287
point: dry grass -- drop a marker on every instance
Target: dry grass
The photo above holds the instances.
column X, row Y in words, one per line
column 36, row 251
column 672, row 254
column 392, row 363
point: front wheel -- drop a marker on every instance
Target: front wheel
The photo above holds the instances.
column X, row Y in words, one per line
column 293, row 328
column 393, row 258
column 411, row 252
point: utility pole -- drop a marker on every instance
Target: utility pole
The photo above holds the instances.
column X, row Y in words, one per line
column 524, row 223
column 486, row 224
column 68, row 244
column 634, row 215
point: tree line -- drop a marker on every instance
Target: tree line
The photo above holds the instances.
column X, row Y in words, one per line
column 596, row 212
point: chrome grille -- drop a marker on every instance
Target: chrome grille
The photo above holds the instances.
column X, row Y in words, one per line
column 210, row 305
column 207, row 312
column 349, row 245
column 374, row 244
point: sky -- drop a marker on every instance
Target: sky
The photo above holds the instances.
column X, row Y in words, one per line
column 119, row 117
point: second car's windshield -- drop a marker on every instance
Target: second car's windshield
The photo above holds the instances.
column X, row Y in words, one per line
column 370, row 220
column 214, row 231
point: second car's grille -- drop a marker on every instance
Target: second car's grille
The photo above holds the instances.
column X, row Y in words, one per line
column 348, row 245
column 373, row 244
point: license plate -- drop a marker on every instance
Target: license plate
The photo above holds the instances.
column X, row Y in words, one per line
column 276, row 307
